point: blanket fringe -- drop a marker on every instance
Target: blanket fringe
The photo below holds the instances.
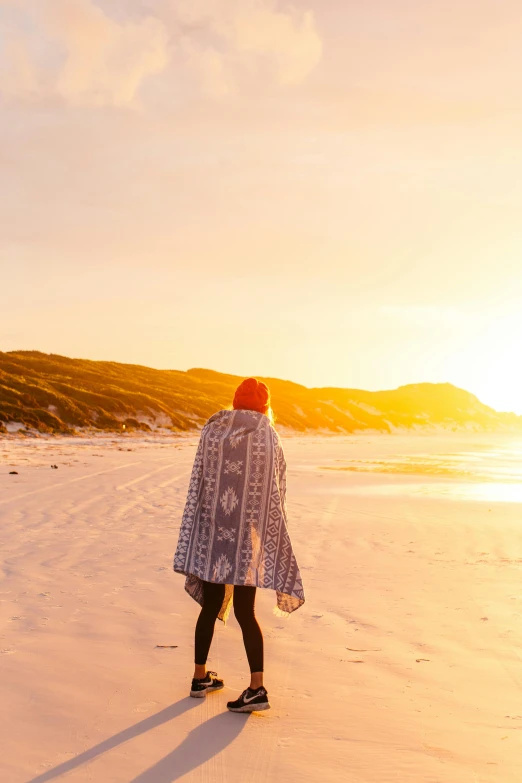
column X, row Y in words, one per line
column 279, row 612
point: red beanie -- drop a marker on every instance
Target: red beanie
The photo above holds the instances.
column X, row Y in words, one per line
column 252, row 395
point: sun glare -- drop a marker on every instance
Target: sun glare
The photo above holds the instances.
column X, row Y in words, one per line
column 497, row 350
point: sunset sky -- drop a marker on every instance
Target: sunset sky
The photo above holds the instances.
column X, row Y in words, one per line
column 327, row 191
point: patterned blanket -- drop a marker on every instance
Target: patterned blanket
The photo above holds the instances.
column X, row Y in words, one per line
column 234, row 526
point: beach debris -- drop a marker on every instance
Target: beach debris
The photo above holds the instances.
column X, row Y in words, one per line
column 13, row 473
column 356, row 649
column 167, row 646
column 484, row 618
column 421, row 659
column 55, row 467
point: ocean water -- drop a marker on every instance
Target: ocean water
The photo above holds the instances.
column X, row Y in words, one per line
column 489, row 472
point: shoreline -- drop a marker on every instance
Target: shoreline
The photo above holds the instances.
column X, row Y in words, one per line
column 284, row 432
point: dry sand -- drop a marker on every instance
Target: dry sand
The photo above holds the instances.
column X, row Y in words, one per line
column 422, row 584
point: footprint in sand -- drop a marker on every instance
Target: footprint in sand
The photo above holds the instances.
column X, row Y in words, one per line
column 147, row 706
column 439, row 752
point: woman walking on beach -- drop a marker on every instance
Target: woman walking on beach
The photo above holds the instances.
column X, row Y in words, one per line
column 233, row 536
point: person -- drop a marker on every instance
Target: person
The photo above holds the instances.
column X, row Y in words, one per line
column 233, row 536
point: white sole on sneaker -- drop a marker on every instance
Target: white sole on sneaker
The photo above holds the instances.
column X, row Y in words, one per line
column 202, row 694
column 251, row 707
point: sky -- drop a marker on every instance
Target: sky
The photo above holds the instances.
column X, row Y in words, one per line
column 326, row 191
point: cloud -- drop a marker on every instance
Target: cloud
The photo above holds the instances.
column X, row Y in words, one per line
column 106, row 61
column 77, row 52
column 208, row 65
column 17, row 73
column 256, row 36
column 70, row 49
column 290, row 38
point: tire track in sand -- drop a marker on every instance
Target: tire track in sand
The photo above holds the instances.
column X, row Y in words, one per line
column 71, row 481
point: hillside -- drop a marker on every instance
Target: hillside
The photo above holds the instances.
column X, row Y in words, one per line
column 55, row 394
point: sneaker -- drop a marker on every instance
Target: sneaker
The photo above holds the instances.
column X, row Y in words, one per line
column 250, row 701
column 209, row 682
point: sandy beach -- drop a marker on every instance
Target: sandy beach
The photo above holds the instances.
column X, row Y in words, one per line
column 404, row 664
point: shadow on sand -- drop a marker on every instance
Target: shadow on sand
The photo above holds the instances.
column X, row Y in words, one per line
column 203, row 742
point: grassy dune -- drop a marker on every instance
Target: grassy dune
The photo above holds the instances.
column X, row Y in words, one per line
column 55, row 394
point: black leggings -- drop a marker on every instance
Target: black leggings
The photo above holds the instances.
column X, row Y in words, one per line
column 244, row 600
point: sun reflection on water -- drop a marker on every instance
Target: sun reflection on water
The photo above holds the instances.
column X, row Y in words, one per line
column 492, row 475
column 490, row 492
